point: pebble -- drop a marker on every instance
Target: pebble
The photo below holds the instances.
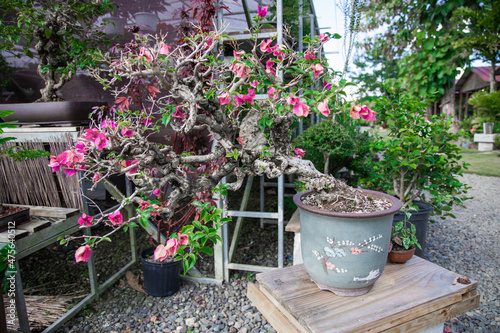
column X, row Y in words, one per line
column 467, row 245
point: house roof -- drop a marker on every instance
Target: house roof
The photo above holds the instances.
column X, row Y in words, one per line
column 475, row 79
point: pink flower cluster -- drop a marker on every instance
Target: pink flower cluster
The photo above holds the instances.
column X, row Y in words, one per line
column 170, row 248
column 299, row 108
column 363, row 112
column 299, row 152
column 70, row 160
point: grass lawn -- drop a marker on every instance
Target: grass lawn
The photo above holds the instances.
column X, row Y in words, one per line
column 486, row 164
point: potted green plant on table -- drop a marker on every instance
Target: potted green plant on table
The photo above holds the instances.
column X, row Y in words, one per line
column 420, row 164
column 403, row 241
column 487, row 108
column 191, row 89
column 63, row 36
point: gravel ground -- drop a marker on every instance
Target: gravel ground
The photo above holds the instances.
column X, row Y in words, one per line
column 467, row 245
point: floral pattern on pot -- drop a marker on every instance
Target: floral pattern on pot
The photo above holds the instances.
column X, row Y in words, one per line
column 341, row 249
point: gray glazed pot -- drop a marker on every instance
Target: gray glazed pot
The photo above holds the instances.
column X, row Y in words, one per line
column 345, row 253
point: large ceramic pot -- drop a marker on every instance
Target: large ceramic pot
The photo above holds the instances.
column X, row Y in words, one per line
column 420, row 218
column 160, row 278
column 345, row 252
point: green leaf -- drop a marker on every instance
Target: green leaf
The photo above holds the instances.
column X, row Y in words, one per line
column 207, row 250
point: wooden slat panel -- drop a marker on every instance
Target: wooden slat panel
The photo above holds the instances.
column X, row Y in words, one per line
column 402, row 294
column 55, row 212
column 34, row 226
column 272, row 314
column 4, row 236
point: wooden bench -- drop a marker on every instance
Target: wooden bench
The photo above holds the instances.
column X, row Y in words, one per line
column 415, row 297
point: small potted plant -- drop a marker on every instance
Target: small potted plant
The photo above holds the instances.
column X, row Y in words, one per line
column 403, row 241
column 420, row 164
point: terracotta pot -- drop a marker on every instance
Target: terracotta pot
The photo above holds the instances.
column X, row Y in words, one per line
column 345, row 253
column 400, row 257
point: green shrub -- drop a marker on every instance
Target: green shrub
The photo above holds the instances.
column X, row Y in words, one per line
column 336, row 144
column 487, row 105
column 419, row 162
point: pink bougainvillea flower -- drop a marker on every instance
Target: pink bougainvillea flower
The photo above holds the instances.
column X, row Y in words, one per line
column 269, row 66
column 129, row 163
column 172, row 246
column 164, row 48
column 367, row 114
column 250, row 96
column 254, row 83
column 147, row 121
column 239, row 99
column 323, row 37
column 301, row 109
column 83, row 253
column 145, row 204
column 272, row 93
column 178, row 113
column 85, row 220
column 292, row 100
column 354, row 112
column 323, row 107
column 225, row 98
column 97, row 177
column 81, row 147
column 116, row 218
column 264, row 45
column 183, row 239
column 327, row 85
column 101, row 141
column 108, row 124
column 127, row 132
column 237, row 55
column 145, row 54
column 241, row 70
column 157, row 192
column 299, row 152
column 278, row 51
column 54, row 164
column 472, row 130
column 91, row 134
column 309, row 56
column 317, row 70
column 261, row 11
column 70, row 171
column 160, row 253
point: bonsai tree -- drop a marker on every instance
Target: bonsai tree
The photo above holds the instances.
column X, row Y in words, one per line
column 244, row 105
column 62, row 33
column 335, row 144
column 420, row 160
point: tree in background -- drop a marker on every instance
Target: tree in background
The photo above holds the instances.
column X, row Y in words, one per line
column 481, row 28
column 415, row 47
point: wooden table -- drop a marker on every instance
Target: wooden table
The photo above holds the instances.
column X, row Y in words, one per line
column 46, row 225
column 407, row 298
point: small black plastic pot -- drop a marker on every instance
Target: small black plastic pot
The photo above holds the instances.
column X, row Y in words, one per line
column 160, row 278
column 420, row 219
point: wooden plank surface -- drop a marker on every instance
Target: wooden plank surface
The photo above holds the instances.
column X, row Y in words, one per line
column 4, row 236
column 294, row 224
column 34, row 225
column 55, row 212
column 272, row 314
column 403, row 294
